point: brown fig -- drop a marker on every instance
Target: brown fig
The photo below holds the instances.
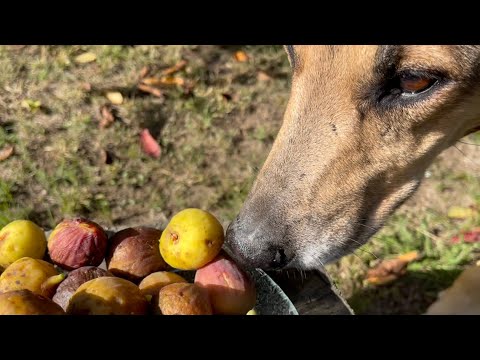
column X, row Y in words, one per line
column 76, row 243
column 76, row 278
column 134, row 253
column 184, row 299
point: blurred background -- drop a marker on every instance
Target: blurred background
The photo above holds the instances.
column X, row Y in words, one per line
column 129, row 135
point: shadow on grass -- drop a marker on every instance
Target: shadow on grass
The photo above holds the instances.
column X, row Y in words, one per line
column 151, row 115
column 412, row 294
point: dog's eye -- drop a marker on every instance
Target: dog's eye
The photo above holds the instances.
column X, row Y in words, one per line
column 414, row 84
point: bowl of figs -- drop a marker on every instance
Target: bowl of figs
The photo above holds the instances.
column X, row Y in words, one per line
column 81, row 268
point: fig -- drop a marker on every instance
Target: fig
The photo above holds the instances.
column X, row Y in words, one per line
column 21, row 238
column 77, row 242
column 25, row 302
column 230, row 289
column 73, row 281
column 184, row 299
column 134, row 253
column 107, row 295
column 192, row 239
column 38, row 276
column 151, row 285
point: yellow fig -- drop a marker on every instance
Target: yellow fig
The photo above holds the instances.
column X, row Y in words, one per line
column 191, row 240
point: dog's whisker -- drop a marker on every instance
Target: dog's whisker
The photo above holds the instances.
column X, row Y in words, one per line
column 466, row 157
column 368, row 227
column 359, row 248
column 467, row 143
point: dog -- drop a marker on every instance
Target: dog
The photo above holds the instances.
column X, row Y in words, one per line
column 362, row 125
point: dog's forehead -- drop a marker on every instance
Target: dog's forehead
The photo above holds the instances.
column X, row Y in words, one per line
column 334, row 61
column 451, row 58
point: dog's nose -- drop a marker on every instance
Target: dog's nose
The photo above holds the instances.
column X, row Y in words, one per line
column 256, row 249
column 280, row 259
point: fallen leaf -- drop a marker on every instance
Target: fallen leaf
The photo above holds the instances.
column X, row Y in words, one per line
column 173, row 80
column 391, row 269
column 262, row 76
column 149, row 144
column 31, row 105
column 150, row 89
column 383, row 280
column 107, row 116
column 164, row 80
column 409, row 256
column 175, row 68
column 86, row 86
column 241, row 56
column 471, row 236
column 85, row 58
column 459, row 212
column 115, row 97
column 6, row 152
column 144, row 72
column 152, row 81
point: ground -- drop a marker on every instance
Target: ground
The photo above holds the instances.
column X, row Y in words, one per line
column 215, row 132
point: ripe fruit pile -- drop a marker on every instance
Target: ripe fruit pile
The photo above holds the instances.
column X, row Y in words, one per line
column 141, row 270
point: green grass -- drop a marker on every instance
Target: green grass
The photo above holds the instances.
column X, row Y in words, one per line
column 213, row 141
column 440, row 262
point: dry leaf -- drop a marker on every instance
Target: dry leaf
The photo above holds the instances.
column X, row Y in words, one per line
column 32, row 105
column 151, row 90
column 149, row 144
column 107, row 116
column 144, row 72
column 262, row 76
column 459, row 212
column 172, row 80
column 152, row 81
column 86, row 86
column 241, row 56
column 164, row 80
column 85, row 58
column 175, row 68
column 409, row 256
column 471, row 236
column 6, row 152
column 115, row 97
column 391, row 269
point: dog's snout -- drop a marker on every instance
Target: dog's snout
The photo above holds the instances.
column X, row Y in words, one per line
column 257, row 247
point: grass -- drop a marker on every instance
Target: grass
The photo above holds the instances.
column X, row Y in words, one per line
column 213, row 140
